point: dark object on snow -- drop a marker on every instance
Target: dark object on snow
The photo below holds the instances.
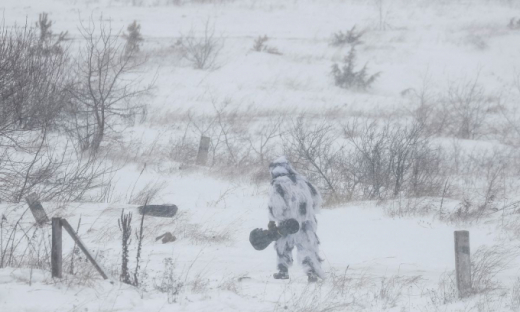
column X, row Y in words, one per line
column 37, row 209
column 166, row 238
column 260, row 238
column 166, row 211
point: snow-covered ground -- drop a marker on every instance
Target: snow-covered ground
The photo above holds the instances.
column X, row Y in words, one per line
column 373, row 261
column 220, row 271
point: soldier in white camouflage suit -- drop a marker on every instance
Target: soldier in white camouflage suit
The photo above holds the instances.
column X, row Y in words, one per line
column 292, row 196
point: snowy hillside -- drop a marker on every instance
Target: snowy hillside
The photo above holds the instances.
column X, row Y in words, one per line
column 429, row 146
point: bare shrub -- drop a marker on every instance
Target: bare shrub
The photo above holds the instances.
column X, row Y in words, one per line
column 199, row 283
column 54, row 175
column 486, row 264
column 184, row 148
column 351, row 37
column 230, row 284
column 374, row 162
column 312, row 147
column 264, row 144
column 202, row 52
column 446, row 291
column 260, row 46
column 467, row 107
column 231, row 135
column 169, row 282
column 347, row 77
column 229, row 149
column 33, row 84
column 391, row 289
column 103, row 93
column 22, row 246
column 463, row 110
column 482, row 180
column 392, row 159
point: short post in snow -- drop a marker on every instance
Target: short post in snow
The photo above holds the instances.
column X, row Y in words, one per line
column 56, row 261
column 37, row 209
column 202, row 155
column 462, row 263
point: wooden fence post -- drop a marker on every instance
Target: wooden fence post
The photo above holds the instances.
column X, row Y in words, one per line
column 463, row 263
column 56, row 261
column 37, row 209
column 202, row 155
column 82, row 246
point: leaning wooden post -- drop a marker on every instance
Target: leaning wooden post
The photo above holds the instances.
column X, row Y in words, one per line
column 202, row 155
column 81, row 246
column 37, row 209
column 56, row 261
column 463, row 263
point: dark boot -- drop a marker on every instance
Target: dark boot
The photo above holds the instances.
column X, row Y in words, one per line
column 283, row 272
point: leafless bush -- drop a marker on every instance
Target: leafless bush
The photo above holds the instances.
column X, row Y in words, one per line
column 202, row 52
column 375, row 162
column 482, row 180
column 391, row 289
column 312, row 147
column 264, row 144
column 260, row 46
column 392, row 159
column 231, row 136
column 183, row 148
column 33, row 84
column 169, row 282
column 104, row 91
column 351, row 37
column 230, row 284
column 347, row 77
column 22, row 246
column 446, row 291
column 53, row 169
column 229, row 149
column 467, row 108
column 463, row 110
column 486, row 264
column 199, row 283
